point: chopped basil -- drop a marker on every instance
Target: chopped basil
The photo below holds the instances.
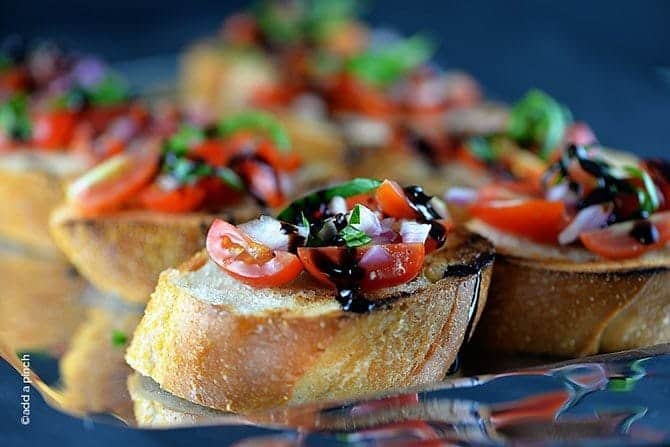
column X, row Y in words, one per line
column 256, row 121
column 482, row 148
column 186, row 137
column 113, row 89
column 539, row 120
column 15, row 119
column 312, row 201
column 647, row 194
column 119, row 338
column 353, row 237
column 355, row 217
column 385, row 66
column 230, row 178
column 281, row 23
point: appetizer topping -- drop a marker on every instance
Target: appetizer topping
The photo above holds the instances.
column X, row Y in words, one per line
column 197, row 168
column 613, row 208
column 356, row 237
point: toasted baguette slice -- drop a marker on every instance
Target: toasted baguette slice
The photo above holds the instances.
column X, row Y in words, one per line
column 40, row 305
column 31, row 185
column 214, row 341
column 93, row 370
column 568, row 302
column 124, row 253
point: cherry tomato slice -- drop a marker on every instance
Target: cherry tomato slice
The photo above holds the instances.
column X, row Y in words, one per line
column 248, row 261
column 391, row 265
column 393, row 202
column 180, row 200
column 54, row 130
column 616, row 243
column 536, row 219
column 262, row 181
column 110, row 185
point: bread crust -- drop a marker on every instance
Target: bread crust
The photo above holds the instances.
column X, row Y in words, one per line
column 221, row 357
column 536, row 308
column 40, row 304
column 123, row 253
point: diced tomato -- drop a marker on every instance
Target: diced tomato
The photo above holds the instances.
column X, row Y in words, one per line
column 262, row 181
column 180, row 200
column 247, row 260
column 367, row 200
column 536, row 219
column 447, row 225
column 393, row 201
column 348, row 94
column 14, row 80
column 214, row 152
column 398, row 263
column 54, row 130
column 615, row 242
column 279, row 160
column 99, row 118
column 111, row 184
column 217, row 194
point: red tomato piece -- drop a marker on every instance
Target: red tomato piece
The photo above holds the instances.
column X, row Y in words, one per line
column 393, row 202
column 247, row 260
column 400, row 263
column 536, row 219
column 181, row 200
column 615, row 242
column 111, row 184
column 262, row 181
column 54, row 130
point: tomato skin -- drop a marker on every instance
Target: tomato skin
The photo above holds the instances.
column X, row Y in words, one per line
column 248, row 261
column 181, row 200
column 217, row 194
column 138, row 167
column 431, row 244
column 536, row 219
column 213, row 151
column 54, row 130
column 393, row 202
column 349, row 94
column 262, row 181
column 404, row 264
column 616, row 243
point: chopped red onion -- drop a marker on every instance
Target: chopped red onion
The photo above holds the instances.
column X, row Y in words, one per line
column 590, row 218
column 460, row 196
column 267, row 231
column 338, row 205
column 167, row 183
column 375, row 256
column 414, row 232
column 369, row 222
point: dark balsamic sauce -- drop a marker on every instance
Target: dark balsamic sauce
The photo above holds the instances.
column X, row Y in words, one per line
column 645, row 232
column 295, row 239
column 347, row 276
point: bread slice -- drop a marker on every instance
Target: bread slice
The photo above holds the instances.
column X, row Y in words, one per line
column 93, row 370
column 214, row 341
column 124, row 253
column 40, row 305
column 31, row 185
column 568, row 302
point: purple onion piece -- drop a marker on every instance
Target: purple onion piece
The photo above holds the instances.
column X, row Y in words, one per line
column 590, row 218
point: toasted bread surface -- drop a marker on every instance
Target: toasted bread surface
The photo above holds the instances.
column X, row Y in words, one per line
column 211, row 340
column 40, row 304
column 123, row 253
column 566, row 301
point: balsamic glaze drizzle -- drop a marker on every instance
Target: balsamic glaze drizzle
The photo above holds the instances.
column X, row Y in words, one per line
column 645, row 232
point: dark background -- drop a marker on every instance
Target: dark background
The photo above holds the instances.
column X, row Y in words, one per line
column 609, row 61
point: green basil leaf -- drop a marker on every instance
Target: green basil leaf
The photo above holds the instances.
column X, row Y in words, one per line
column 353, row 237
column 257, row 121
column 385, row 66
column 186, row 171
column 230, row 178
column 15, row 119
column 540, row 120
column 119, row 338
column 351, row 188
column 482, row 148
column 113, row 89
column 355, row 217
column 186, row 137
column 647, row 195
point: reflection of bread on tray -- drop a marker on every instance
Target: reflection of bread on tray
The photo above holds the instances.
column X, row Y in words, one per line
column 214, row 341
column 40, row 302
column 93, row 370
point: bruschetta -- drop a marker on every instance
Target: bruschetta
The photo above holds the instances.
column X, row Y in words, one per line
column 356, row 289
column 583, row 265
column 149, row 207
